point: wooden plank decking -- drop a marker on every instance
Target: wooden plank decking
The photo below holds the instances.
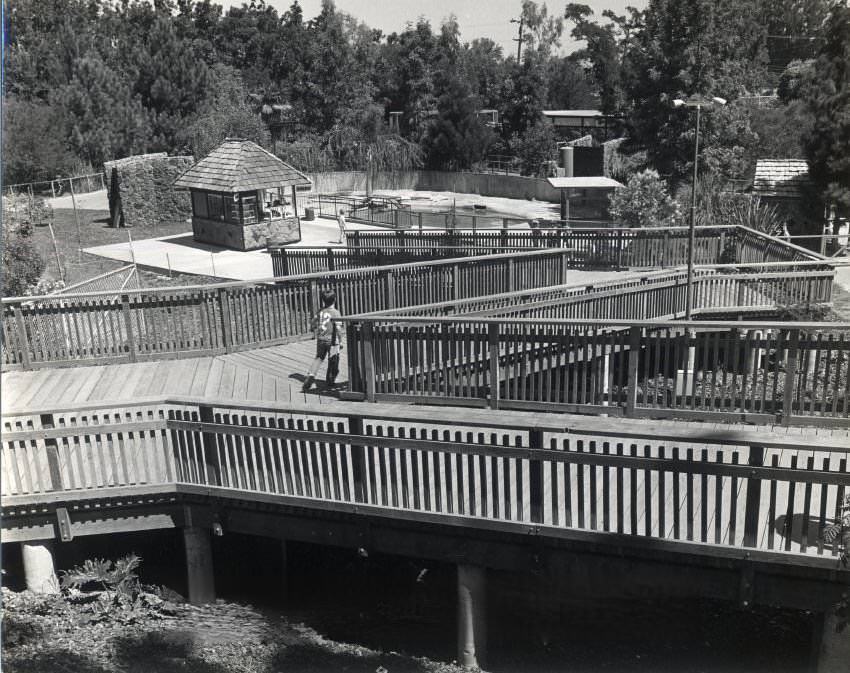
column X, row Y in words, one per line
column 272, row 374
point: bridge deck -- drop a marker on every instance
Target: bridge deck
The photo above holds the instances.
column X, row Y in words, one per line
column 272, row 374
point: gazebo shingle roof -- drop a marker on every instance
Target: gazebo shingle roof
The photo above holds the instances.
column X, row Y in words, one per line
column 783, row 178
column 240, row 166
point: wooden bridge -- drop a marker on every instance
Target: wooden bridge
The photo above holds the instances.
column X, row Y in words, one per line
column 181, row 408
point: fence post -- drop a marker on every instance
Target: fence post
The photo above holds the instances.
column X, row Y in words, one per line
column 511, row 276
column 226, row 327
column 23, row 340
column 634, row 360
column 791, row 361
column 721, row 245
column 331, row 266
column 751, row 513
column 493, row 346
column 128, row 325
column 368, row 361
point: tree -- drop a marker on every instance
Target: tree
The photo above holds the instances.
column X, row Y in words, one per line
column 32, row 148
column 103, row 119
column 604, row 49
column 705, row 47
column 457, row 138
column 828, row 143
column 644, row 202
column 226, row 115
column 534, row 147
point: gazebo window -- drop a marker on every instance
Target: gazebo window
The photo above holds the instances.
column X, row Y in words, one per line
column 215, row 207
column 199, row 204
column 249, row 209
column 233, row 210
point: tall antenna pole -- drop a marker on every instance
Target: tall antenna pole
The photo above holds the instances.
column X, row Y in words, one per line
column 518, row 40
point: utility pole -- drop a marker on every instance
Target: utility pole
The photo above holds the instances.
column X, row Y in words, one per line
column 518, row 40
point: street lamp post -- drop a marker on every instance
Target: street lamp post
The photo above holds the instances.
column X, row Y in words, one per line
column 697, row 102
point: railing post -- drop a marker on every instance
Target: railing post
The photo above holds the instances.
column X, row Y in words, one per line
column 389, row 288
column 565, row 264
column 205, row 415
column 493, row 346
column 314, row 297
column 751, row 513
column 619, row 250
column 368, row 361
column 331, row 266
column 226, row 327
column 358, row 461
column 634, row 360
column 721, row 245
column 356, row 241
column 455, row 281
column 535, row 486
column 511, row 276
column 23, row 340
column 128, row 325
column 791, row 361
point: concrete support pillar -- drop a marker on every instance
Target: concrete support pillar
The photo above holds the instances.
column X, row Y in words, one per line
column 39, row 570
column 199, row 565
column 834, row 648
column 471, row 615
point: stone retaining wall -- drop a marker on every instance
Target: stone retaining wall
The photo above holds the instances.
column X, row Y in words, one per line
column 141, row 193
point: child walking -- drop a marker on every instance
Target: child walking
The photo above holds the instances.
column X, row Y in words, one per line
column 329, row 331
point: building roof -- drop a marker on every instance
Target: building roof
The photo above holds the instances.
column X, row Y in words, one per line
column 572, row 113
column 240, row 166
column 782, row 178
column 597, row 182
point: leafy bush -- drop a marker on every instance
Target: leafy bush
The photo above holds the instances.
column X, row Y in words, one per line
column 644, row 202
column 120, row 595
column 22, row 263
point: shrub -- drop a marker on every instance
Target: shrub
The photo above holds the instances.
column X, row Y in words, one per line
column 644, row 202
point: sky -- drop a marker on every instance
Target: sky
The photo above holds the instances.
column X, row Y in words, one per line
column 477, row 18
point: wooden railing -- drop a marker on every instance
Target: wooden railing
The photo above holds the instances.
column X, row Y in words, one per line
column 655, row 295
column 758, row 372
column 296, row 261
column 608, row 248
column 201, row 320
column 619, row 482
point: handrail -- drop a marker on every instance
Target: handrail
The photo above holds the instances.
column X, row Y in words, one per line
column 291, row 455
column 305, row 276
column 441, row 415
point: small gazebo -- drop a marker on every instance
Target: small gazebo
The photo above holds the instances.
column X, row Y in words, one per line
column 239, row 197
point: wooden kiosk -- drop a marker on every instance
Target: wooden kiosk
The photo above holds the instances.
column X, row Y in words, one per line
column 239, row 197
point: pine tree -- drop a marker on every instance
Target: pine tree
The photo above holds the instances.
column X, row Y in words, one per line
column 828, row 144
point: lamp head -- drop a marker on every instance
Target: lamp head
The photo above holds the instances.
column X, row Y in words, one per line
column 718, row 100
column 678, row 102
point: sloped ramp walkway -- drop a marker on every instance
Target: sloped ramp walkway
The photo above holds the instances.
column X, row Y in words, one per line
column 272, row 374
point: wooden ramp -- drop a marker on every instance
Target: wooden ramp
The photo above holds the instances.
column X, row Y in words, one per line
column 272, row 374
